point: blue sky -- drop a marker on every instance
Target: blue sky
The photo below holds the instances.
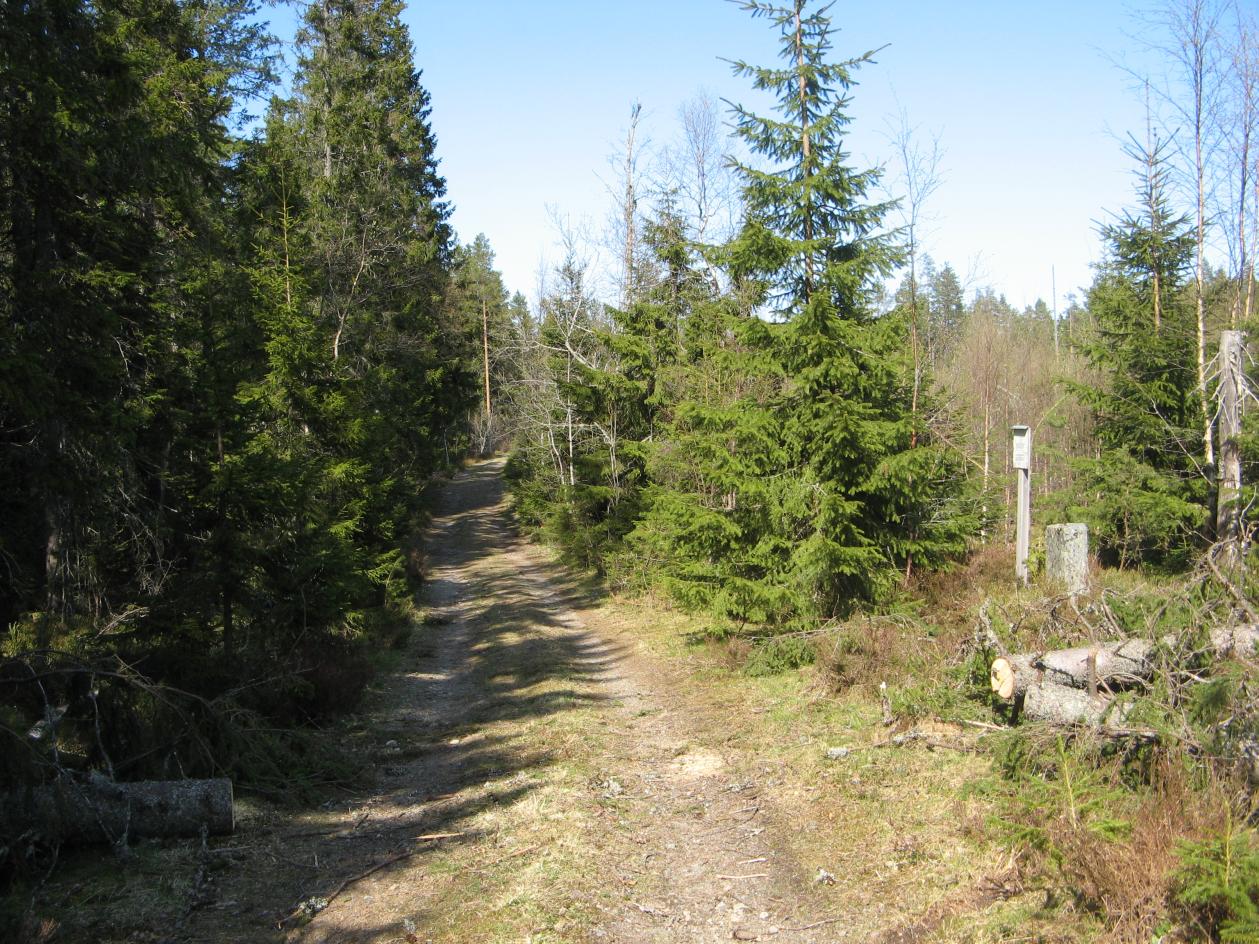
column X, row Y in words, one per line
column 531, row 99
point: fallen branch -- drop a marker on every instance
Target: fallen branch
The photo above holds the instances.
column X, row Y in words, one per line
column 815, row 924
column 931, row 743
column 1230, row 586
column 982, row 725
column 328, row 899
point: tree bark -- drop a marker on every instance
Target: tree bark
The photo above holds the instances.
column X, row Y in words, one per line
column 1228, row 511
column 1061, row 704
column 1110, row 665
column 100, row 810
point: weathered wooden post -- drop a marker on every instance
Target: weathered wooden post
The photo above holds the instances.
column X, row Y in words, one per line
column 1021, row 459
column 1228, row 526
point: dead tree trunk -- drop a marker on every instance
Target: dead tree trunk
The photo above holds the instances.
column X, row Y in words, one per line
column 1060, row 704
column 1228, row 525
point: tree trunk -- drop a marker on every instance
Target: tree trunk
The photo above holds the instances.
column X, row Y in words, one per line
column 1228, row 511
column 1060, row 704
column 1106, row 665
column 103, row 811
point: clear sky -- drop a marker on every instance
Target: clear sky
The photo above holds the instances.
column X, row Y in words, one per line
column 531, row 99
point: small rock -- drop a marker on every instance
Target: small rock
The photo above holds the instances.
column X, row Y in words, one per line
column 836, row 753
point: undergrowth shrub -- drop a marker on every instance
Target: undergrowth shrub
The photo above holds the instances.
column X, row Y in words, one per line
column 773, row 655
column 1124, row 831
column 1216, row 886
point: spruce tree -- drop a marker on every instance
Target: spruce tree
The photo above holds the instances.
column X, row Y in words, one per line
column 946, row 311
column 114, row 145
column 857, row 489
column 367, row 381
column 1144, row 496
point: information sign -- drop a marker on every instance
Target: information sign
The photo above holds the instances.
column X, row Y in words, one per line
column 1022, row 453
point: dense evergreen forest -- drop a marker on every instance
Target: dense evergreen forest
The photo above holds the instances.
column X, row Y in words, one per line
column 230, row 365
column 236, row 352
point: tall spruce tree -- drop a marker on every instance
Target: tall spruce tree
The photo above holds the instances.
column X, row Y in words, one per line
column 113, row 151
column 1144, row 495
column 366, row 381
column 861, row 490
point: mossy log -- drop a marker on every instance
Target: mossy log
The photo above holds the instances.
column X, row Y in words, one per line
column 100, row 810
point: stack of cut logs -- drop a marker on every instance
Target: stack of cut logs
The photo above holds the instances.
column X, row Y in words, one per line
column 1076, row 686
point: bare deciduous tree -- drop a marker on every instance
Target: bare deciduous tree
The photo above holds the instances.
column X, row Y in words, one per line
column 918, row 168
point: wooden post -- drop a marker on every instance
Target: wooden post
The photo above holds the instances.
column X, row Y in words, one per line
column 1228, row 526
column 485, row 341
column 1021, row 459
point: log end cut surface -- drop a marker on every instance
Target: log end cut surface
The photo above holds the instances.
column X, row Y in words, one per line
column 1002, row 678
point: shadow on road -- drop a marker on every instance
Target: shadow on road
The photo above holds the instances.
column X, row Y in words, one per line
column 502, row 646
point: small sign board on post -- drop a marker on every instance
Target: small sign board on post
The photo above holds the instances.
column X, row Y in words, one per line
column 1021, row 454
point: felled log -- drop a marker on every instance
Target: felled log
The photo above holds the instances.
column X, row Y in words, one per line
column 1105, row 665
column 100, row 810
column 1061, row 704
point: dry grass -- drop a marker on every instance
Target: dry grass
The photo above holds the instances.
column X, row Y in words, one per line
column 894, row 825
column 898, row 826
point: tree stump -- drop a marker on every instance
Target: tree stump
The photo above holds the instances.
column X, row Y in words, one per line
column 1067, row 557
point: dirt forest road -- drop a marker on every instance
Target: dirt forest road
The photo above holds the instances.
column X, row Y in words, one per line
column 542, row 777
column 697, row 863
